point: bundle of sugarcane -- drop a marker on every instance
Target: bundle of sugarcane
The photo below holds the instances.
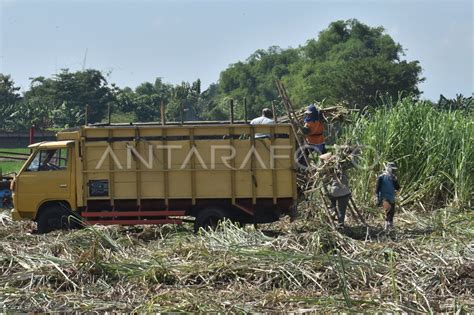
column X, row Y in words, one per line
column 331, row 165
column 330, row 114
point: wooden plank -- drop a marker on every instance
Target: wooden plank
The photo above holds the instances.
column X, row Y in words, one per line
column 79, row 178
column 84, row 170
column 274, row 175
column 165, row 169
column 111, row 173
column 231, row 104
column 193, row 166
column 163, row 113
column 245, row 112
column 232, row 170
column 293, row 170
column 275, row 117
column 253, row 178
column 137, row 169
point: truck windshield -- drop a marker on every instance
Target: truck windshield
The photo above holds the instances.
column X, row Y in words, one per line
column 49, row 160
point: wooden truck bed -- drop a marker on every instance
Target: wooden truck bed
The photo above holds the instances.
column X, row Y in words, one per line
column 151, row 172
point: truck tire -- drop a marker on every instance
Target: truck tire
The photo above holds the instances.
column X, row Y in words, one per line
column 52, row 218
column 209, row 218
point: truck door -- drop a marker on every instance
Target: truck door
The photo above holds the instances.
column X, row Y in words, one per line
column 47, row 177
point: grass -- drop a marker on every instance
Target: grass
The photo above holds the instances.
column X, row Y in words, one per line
column 16, row 150
column 432, row 148
column 426, row 265
column 7, row 167
column 10, row 166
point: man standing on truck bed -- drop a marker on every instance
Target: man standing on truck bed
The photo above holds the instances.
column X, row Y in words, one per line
column 314, row 129
column 265, row 119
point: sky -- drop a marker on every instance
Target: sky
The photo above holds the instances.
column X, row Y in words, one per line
column 137, row 41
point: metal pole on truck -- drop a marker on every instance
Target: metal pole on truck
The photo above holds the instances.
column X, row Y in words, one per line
column 86, row 114
column 32, row 134
column 109, row 113
column 275, row 118
column 231, row 104
column 245, row 109
column 163, row 110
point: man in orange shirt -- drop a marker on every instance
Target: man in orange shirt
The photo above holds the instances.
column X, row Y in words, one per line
column 314, row 129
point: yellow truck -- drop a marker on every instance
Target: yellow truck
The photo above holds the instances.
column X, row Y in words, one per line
column 153, row 174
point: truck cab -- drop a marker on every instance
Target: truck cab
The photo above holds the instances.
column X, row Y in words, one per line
column 45, row 181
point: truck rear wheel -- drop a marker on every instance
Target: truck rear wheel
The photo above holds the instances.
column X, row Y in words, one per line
column 52, row 218
column 209, row 218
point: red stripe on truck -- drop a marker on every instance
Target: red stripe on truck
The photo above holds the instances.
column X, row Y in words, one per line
column 92, row 214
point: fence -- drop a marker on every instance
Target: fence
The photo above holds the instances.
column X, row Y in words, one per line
column 22, row 139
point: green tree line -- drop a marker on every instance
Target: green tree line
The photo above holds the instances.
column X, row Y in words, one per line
column 348, row 62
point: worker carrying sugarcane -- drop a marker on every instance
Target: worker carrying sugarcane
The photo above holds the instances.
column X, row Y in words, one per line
column 385, row 193
column 314, row 129
column 265, row 119
column 337, row 187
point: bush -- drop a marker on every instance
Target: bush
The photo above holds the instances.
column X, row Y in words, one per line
column 432, row 148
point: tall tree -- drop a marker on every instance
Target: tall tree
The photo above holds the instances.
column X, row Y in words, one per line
column 255, row 78
column 148, row 98
column 349, row 62
column 67, row 94
column 9, row 100
column 185, row 101
column 352, row 62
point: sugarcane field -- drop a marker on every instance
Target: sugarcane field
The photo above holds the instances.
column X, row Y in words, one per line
column 155, row 158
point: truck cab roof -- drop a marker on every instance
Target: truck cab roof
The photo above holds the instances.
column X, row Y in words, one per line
column 50, row 144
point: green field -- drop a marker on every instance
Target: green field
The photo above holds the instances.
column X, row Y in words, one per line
column 16, row 150
column 11, row 165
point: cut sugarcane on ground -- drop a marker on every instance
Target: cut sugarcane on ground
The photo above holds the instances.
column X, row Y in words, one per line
column 426, row 265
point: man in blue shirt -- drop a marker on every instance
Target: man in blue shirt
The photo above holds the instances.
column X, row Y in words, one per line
column 385, row 188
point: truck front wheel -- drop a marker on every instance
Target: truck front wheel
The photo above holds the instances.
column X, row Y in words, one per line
column 54, row 217
column 209, row 218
